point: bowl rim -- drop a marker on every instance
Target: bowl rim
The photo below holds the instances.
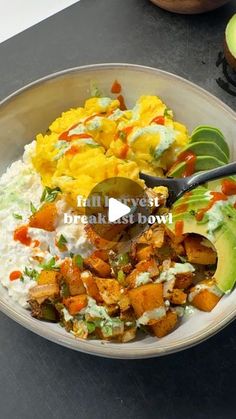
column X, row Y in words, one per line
column 101, row 349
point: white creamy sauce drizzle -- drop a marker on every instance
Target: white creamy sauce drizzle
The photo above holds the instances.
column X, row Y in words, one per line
column 201, row 287
column 155, row 314
column 170, row 273
column 142, row 279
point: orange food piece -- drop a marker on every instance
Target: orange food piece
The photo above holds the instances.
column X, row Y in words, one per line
column 21, row 235
column 109, row 289
column 146, row 298
column 75, row 304
column 179, row 228
column 205, row 300
column 184, row 280
column 15, row 275
column 178, row 297
column 45, row 218
column 228, row 187
column 72, row 275
column 144, row 252
column 197, row 252
column 165, row 325
column 47, row 277
column 98, row 265
column 91, row 286
column 116, row 87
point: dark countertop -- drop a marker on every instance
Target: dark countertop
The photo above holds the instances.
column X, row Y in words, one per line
column 40, row 379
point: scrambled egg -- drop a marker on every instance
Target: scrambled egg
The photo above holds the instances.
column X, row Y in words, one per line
column 89, row 144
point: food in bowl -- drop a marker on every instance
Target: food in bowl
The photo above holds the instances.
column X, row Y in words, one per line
column 64, row 274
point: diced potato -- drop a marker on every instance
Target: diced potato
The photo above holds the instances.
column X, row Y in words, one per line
column 205, row 300
column 148, row 266
column 144, row 252
column 102, row 254
column 98, row 266
column 197, row 252
column 48, row 277
column 75, row 304
column 91, row 286
column 71, row 274
column 45, row 218
column 184, row 280
column 124, row 302
column 165, row 325
column 111, row 232
column 109, row 289
column 146, row 298
column 42, row 292
column 128, row 335
column 175, row 239
column 178, row 297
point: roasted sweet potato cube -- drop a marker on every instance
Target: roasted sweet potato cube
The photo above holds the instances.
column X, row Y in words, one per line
column 91, row 286
column 109, row 289
column 164, row 326
column 45, row 218
column 144, row 252
column 146, row 298
column 178, row 297
column 98, row 266
column 72, row 275
column 44, row 291
column 205, row 300
column 197, row 252
column 48, row 277
column 75, row 304
column 184, row 280
column 148, row 266
column 102, row 254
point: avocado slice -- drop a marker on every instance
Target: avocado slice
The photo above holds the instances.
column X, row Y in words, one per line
column 224, row 241
column 202, row 163
column 207, row 148
column 210, row 134
column 230, row 42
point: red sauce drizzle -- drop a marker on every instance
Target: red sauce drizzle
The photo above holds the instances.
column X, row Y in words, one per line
column 160, row 120
column 228, row 187
column 21, row 235
column 116, row 87
column 190, row 159
column 179, row 228
column 15, row 275
column 72, row 151
column 122, row 103
column 216, row 196
column 181, row 208
column 123, row 151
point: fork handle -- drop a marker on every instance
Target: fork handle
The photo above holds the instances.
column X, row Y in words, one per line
column 213, row 174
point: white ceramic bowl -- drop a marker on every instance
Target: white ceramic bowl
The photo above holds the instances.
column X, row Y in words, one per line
column 30, row 110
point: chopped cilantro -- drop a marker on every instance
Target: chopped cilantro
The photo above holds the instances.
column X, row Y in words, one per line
column 61, row 242
column 167, row 112
column 17, row 216
column 122, row 135
column 192, row 212
column 31, row 273
column 49, row 194
column 32, row 208
column 79, row 261
column 50, row 265
column 121, row 277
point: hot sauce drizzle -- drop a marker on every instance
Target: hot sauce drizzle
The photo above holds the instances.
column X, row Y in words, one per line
column 122, row 103
column 116, row 87
column 15, row 275
column 189, row 159
column 228, row 187
column 179, row 228
column 216, row 196
column 21, row 235
column 160, row 120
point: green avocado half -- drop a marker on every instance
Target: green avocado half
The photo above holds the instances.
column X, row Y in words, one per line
column 230, row 42
column 224, row 241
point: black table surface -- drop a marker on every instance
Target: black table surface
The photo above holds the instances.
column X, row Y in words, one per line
column 40, row 379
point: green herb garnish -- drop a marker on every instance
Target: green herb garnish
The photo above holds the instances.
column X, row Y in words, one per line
column 32, row 208
column 17, row 216
column 50, row 265
column 49, row 194
column 61, row 242
column 167, row 112
column 31, row 273
column 91, row 327
column 79, row 261
column 121, row 277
